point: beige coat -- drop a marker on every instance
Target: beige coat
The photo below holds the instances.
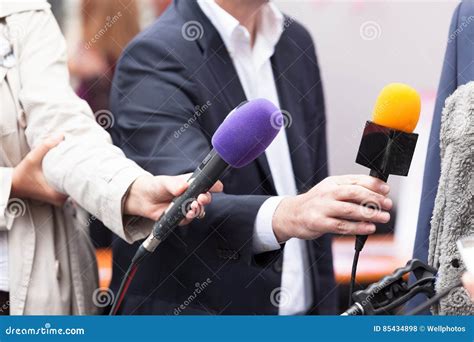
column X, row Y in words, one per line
column 52, row 267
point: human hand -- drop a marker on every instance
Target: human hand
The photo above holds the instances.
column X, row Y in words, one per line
column 349, row 204
column 468, row 281
column 150, row 196
column 28, row 180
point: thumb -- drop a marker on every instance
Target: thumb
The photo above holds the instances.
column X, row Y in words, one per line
column 175, row 185
column 41, row 150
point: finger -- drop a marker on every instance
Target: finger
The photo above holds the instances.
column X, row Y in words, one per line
column 199, row 210
column 185, row 176
column 345, row 227
column 185, row 222
column 468, row 278
column 361, row 195
column 191, row 215
column 367, row 182
column 204, row 199
column 174, row 185
column 40, row 151
column 195, row 206
column 53, row 197
column 468, row 281
column 217, row 187
column 188, row 218
column 54, row 139
column 180, row 183
column 351, row 211
column 194, row 210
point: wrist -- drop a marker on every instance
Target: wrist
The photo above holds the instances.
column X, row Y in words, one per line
column 15, row 185
column 134, row 201
column 284, row 219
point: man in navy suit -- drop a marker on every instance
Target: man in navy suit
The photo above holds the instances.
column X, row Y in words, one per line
column 264, row 246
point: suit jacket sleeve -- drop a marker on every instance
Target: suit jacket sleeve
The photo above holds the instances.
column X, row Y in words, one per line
column 156, row 104
column 86, row 166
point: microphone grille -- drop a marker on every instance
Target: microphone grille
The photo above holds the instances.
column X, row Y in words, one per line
column 247, row 131
column 398, row 107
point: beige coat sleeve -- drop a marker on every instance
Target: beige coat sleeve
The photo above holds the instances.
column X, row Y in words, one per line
column 86, row 166
column 6, row 220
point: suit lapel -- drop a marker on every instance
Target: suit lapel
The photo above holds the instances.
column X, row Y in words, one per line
column 291, row 109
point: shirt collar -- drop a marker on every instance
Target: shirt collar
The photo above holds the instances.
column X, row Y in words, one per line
column 269, row 30
column 270, row 25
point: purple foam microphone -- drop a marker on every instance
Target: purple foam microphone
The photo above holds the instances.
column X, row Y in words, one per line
column 247, row 131
column 243, row 136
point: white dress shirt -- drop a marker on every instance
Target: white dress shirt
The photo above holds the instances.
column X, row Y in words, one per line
column 255, row 73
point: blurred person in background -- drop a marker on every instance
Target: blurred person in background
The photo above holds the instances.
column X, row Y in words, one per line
column 159, row 6
column 106, row 28
column 47, row 265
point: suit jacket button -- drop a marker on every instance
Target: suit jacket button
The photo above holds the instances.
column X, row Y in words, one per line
column 278, row 266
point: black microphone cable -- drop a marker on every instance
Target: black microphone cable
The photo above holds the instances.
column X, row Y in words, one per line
column 433, row 300
column 126, row 281
column 359, row 244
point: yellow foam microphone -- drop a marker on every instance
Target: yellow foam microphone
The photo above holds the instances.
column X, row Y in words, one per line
column 397, row 107
column 388, row 143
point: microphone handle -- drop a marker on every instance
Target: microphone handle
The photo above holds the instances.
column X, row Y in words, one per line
column 361, row 239
column 377, row 174
column 205, row 176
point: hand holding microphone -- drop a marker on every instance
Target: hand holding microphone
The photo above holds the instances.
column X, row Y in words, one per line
column 150, row 196
column 335, row 205
column 354, row 204
column 388, row 144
